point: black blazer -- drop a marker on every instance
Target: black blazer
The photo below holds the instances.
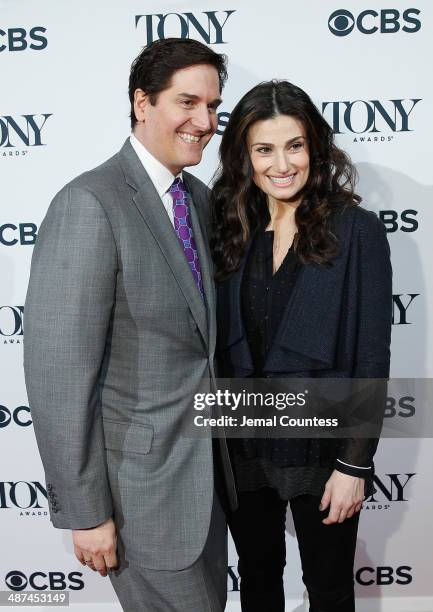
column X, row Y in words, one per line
column 337, row 322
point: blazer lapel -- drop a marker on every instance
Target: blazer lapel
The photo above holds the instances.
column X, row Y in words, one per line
column 149, row 204
column 231, row 330
column 307, row 336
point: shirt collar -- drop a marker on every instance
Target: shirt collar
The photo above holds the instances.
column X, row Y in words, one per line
column 160, row 176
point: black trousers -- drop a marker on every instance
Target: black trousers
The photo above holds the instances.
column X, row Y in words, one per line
column 327, row 552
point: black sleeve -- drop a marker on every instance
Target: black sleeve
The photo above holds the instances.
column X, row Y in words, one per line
column 372, row 357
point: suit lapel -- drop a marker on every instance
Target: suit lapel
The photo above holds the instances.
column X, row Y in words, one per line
column 149, row 204
column 202, row 242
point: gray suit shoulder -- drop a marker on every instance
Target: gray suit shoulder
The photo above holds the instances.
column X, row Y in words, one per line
column 98, row 179
column 94, row 189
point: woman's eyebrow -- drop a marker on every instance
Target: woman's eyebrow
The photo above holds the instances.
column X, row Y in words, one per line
column 269, row 144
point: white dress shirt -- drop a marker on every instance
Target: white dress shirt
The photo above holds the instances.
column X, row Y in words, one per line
column 160, row 176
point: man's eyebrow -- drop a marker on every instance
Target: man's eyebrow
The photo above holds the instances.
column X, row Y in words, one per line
column 189, row 96
column 193, row 97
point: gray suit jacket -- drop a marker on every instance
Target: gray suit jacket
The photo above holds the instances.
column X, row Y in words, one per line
column 117, row 341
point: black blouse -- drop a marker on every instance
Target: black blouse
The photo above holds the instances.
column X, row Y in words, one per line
column 264, row 296
column 292, row 469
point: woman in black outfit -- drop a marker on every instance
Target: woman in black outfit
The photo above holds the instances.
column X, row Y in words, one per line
column 304, row 289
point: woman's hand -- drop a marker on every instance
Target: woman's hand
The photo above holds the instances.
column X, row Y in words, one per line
column 344, row 494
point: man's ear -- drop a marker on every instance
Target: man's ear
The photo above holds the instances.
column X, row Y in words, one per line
column 141, row 100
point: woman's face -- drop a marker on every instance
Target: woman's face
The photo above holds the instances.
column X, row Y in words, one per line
column 279, row 155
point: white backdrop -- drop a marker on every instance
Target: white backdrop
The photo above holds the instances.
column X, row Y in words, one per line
column 64, row 109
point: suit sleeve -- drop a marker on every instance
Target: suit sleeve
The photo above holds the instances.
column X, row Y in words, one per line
column 372, row 356
column 66, row 319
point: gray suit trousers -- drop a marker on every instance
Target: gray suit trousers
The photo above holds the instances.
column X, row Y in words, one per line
column 201, row 587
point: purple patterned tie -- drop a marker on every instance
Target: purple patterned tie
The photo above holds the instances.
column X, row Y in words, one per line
column 183, row 227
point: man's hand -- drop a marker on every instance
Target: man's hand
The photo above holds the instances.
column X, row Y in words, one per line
column 345, row 494
column 96, row 547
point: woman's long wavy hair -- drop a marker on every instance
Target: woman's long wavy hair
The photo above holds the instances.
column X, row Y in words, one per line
column 239, row 207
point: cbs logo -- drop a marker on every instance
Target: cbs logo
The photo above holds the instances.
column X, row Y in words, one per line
column 41, row 581
column 403, row 406
column 404, row 221
column 384, row 575
column 20, row 416
column 18, row 39
column 23, row 233
column 385, row 21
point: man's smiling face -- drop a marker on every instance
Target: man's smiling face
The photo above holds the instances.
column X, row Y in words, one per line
column 178, row 127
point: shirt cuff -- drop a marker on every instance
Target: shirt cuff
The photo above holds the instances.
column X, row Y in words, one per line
column 353, row 470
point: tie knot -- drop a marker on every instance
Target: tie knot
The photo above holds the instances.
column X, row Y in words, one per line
column 177, row 185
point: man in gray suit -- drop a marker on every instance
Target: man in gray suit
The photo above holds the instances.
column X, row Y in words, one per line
column 120, row 333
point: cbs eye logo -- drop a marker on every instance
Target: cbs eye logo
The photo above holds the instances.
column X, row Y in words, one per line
column 386, row 21
column 341, row 22
column 16, row 581
column 19, row 415
column 41, row 581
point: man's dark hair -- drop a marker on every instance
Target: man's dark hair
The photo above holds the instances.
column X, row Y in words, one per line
column 153, row 69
